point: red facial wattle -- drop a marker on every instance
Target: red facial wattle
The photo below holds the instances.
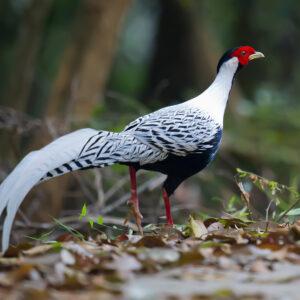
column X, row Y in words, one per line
column 242, row 54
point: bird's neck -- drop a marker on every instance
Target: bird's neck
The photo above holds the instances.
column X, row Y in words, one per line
column 214, row 99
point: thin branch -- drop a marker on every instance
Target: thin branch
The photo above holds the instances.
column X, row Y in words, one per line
column 23, row 216
column 267, row 210
column 290, row 208
column 84, row 188
column 116, row 187
column 65, row 220
column 99, row 187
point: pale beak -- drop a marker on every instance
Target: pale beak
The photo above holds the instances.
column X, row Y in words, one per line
column 256, row 55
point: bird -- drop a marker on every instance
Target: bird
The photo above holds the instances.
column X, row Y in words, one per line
column 178, row 140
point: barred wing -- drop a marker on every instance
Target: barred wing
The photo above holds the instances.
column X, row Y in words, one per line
column 177, row 131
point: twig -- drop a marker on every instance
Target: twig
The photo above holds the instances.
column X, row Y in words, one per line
column 13, row 120
column 267, row 210
column 106, row 219
column 84, row 187
column 244, row 194
column 31, row 225
column 51, row 129
column 285, row 213
column 116, row 187
column 267, row 215
column 99, row 187
column 44, row 225
column 23, row 216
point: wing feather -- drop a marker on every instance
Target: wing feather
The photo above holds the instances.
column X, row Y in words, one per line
column 178, row 130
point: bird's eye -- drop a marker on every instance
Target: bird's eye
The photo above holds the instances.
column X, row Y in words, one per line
column 243, row 53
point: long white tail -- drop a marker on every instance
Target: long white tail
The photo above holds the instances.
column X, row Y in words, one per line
column 85, row 148
column 58, row 155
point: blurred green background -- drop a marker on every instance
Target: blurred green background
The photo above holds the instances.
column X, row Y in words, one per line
column 67, row 64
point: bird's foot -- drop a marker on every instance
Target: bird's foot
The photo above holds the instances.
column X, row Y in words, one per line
column 168, row 208
column 170, row 222
column 136, row 212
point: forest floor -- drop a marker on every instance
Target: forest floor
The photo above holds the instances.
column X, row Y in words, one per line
column 215, row 259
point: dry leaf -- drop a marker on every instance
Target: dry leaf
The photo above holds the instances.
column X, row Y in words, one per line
column 66, row 257
column 215, row 226
column 37, row 250
column 198, row 228
column 123, row 262
column 109, row 266
column 258, row 267
column 151, row 242
column 160, row 255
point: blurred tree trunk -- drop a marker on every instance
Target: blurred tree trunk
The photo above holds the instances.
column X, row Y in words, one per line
column 87, row 60
column 30, row 36
column 22, row 74
column 83, row 74
column 1, row 4
column 192, row 63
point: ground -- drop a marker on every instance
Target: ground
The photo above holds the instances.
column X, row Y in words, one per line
column 227, row 258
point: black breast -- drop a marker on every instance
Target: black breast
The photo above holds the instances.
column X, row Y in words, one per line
column 178, row 168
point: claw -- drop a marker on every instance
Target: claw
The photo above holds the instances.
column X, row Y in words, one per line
column 134, row 201
column 136, row 212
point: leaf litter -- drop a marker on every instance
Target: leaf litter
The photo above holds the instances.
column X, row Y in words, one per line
column 232, row 257
column 211, row 259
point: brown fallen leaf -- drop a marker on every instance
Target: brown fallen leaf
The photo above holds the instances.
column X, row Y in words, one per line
column 67, row 257
column 160, row 255
column 170, row 233
column 193, row 256
column 150, row 241
column 63, row 276
column 229, row 235
column 6, row 281
column 123, row 262
column 280, row 237
column 67, row 237
column 123, row 237
column 21, row 273
column 263, row 226
column 296, row 229
column 37, row 250
column 15, row 251
column 36, row 294
column 198, row 228
column 278, row 255
column 206, row 252
column 8, row 262
column 244, row 194
column 258, row 267
column 293, row 257
column 229, row 221
column 215, row 226
column 227, row 263
column 42, row 260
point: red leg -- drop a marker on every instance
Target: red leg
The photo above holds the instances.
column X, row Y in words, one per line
column 134, row 200
column 168, row 209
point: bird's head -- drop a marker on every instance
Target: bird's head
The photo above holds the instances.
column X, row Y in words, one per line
column 241, row 55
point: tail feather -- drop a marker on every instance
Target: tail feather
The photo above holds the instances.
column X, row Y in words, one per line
column 34, row 167
column 88, row 156
column 82, row 149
